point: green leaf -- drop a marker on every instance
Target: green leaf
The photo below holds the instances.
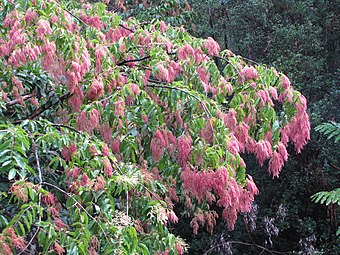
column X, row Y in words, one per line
column 12, row 173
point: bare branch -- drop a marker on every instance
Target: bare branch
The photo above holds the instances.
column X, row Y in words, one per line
column 66, row 126
column 17, row 101
column 30, row 241
column 132, row 60
column 36, row 159
column 42, row 109
column 129, row 29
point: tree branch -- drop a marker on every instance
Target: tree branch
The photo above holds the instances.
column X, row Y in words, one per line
column 129, row 29
column 43, row 108
column 30, row 241
column 65, row 126
column 36, row 159
column 132, row 60
column 161, row 85
column 16, row 101
column 78, row 205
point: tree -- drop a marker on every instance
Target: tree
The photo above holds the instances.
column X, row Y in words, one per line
column 107, row 123
column 332, row 131
column 301, row 38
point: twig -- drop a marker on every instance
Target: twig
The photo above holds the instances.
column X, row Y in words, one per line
column 182, row 90
column 74, row 16
column 227, row 60
column 248, row 232
column 151, row 192
column 78, row 205
column 30, row 241
column 66, row 126
column 43, row 108
column 16, row 101
column 127, row 204
column 36, row 159
column 132, row 60
column 129, row 29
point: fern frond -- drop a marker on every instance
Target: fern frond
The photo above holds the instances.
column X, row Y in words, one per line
column 327, row 197
column 330, row 129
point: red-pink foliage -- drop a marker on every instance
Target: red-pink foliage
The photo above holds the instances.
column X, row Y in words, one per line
column 87, row 122
column 207, row 133
column 263, row 151
column 248, row 73
column 275, row 164
column 285, row 82
column 96, row 89
column 43, row 29
column 184, row 149
column 67, row 152
column 212, row 46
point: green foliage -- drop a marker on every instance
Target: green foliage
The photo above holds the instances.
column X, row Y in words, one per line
column 108, row 123
column 174, row 12
column 301, row 37
column 330, row 129
column 327, row 197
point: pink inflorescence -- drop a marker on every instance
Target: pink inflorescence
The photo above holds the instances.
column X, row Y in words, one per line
column 229, row 195
column 248, row 73
column 184, row 149
column 212, row 46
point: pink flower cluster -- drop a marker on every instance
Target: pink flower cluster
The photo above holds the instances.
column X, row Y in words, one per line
column 99, row 54
column 21, row 56
column 211, row 46
column 233, row 145
column 162, row 27
column 30, row 16
column 241, row 133
column 229, row 119
column 297, row 130
column 162, row 73
column 207, row 133
column 96, row 89
column 185, row 52
column 263, row 151
column 108, row 169
column 203, row 74
column 68, row 151
column 10, row 239
column 43, row 29
column 93, row 21
column 230, row 196
column 184, row 149
column 119, row 106
column 113, row 35
column 248, row 73
column 285, row 82
column 265, row 97
column 207, row 219
column 226, row 87
column 169, row 73
column 161, row 141
column 49, row 58
column 87, row 122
